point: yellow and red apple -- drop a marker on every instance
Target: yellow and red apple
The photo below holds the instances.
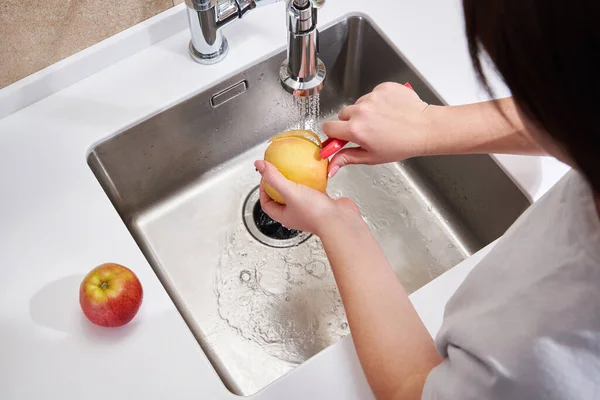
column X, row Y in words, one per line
column 296, row 155
column 110, row 295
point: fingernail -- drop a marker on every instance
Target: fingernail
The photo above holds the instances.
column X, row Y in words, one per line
column 333, row 171
column 259, row 165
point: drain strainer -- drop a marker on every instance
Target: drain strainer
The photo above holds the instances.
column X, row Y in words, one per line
column 265, row 229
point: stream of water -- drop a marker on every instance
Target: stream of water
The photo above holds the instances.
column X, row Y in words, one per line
column 305, row 112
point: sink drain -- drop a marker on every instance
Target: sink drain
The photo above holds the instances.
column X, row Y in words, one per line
column 266, row 230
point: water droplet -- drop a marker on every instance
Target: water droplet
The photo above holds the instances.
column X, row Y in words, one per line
column 245, row 276
column 316, row 268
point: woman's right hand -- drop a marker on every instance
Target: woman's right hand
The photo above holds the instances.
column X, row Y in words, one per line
column 389, row 124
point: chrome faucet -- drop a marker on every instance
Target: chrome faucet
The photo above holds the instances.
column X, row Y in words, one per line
column 301, row 74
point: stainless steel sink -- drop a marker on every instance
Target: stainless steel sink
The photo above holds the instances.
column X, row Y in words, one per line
column 184, row 184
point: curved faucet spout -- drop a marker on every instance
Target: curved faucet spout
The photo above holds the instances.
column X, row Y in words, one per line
column 302, row 74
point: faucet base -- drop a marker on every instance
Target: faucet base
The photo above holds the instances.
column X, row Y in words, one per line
column 302, row 88
column 211, row 58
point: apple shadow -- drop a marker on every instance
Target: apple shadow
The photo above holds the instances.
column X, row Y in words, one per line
column 56, row 306
column 103, row 335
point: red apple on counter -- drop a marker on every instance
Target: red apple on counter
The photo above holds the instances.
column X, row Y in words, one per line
column 110, row 295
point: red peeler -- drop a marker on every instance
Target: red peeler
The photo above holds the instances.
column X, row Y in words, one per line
column 332, row 146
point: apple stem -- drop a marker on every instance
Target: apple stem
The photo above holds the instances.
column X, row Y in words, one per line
column 103, row 285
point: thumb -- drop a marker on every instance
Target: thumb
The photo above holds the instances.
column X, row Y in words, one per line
column 274, row 178
column 356, row 155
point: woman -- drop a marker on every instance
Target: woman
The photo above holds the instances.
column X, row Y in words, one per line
column 525, row 323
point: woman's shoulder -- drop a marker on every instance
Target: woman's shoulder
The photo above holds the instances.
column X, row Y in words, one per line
column 554, row 246
column 559, row 366
column 540, row 282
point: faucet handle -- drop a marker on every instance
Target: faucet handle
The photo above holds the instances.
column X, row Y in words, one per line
column 302, row 4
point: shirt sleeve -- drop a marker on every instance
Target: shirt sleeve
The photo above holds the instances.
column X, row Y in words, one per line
column 464, row 376
column 553, row 368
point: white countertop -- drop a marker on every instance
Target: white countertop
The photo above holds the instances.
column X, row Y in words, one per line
column 56, row 222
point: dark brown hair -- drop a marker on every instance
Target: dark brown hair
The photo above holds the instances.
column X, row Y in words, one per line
column 548, row 52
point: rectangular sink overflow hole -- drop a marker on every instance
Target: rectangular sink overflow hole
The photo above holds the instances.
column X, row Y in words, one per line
column 229, row 94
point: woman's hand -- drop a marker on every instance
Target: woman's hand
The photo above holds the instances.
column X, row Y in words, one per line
column 389, row 124
column 392, row 124
column 306, row 209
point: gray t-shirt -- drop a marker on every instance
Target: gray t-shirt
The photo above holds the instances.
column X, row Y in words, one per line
column 525, row 324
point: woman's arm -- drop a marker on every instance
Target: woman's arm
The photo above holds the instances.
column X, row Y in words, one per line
column 392, row 123
column 492, row 127
column 394, row 348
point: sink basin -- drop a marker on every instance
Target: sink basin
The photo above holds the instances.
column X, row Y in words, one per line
column 261, row 301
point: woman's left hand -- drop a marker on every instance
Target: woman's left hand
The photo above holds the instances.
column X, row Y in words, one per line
column 306, row 209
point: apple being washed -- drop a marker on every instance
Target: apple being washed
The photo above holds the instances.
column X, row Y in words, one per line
column 110, row 295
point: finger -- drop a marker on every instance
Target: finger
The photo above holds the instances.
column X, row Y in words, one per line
column 338, row 130
column 363, row 98
column 275, row 179
column 382, row 87
column 356, row 155
column 393, row 88
column 268, row 205
column 347, row 112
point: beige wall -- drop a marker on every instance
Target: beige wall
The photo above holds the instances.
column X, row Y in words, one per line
column 37, row 33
